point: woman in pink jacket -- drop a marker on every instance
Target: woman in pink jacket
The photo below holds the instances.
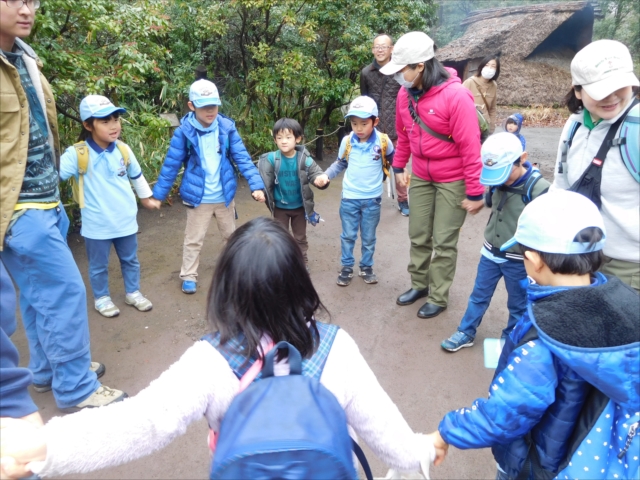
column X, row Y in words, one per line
column 437, row 126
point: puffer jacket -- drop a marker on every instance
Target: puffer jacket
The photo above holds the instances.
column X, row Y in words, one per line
column 571, row 390
column 619, row 190
column 308, row 171
column 184, row 150
column 384, row 90
column 14, row 128
column 447, row 109
column 516, row 117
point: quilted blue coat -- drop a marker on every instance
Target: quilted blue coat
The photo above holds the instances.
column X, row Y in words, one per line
column 567, row 403
column 185, row 150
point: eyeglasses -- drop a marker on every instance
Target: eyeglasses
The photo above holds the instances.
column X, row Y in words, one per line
column 32, row 4
column 380, row 48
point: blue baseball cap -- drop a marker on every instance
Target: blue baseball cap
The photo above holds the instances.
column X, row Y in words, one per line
column 204, row 93
column 551, row 222
column 97, row 106
column 363, row 107
column 498, row 153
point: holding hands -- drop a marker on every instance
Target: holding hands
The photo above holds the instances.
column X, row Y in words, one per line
column 472, row 206
column 258, row 196
column 151, row 203
column 321, row 180
column 402, row 179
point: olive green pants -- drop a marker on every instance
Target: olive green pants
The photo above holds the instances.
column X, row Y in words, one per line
column 435, row 219
column 627, row 272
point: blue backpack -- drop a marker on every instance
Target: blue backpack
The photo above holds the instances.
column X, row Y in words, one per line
column 288, row 426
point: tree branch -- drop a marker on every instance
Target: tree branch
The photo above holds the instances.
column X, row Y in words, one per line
column 66, row 114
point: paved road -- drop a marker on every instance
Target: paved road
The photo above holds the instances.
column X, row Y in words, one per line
column 403, row 350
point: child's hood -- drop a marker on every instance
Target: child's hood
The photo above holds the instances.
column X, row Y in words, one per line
column 518, row 118
column 596, row 332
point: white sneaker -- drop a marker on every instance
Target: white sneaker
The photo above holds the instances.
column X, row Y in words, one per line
column 136, row 299
column 101, row 397
column 106, row 307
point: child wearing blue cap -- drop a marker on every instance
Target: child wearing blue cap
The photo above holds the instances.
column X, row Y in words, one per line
column 513, row 183
column 102, row 169
column 368, row 154
column 210, row 149
column 565, row 399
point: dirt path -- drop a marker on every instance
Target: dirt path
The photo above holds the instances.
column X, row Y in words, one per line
column 403, row 350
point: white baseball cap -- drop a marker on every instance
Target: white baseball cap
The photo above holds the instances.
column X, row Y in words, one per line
column 97, row 106
column 204, row 93
column 602, row 67
column 551, row 222
column 499, row 152
column 412, row 47
column 363, row 107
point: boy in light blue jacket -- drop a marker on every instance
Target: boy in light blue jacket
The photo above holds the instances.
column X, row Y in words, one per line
column 209, row 147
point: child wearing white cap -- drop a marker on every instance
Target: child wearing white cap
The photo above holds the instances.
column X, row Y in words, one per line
column 103, row 169
column 564, row 401
column 513, row 184
column 209, row 147
column 368, row 154
column 598, row 154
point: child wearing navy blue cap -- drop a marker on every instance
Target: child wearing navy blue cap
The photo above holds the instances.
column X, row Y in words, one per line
column 367, row 153
column 565, row 399
column 103, row 169
column 513, row 183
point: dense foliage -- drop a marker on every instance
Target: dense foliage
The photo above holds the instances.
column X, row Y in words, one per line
column 269, row 58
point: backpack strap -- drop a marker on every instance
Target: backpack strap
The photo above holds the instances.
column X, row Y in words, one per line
column 423, row 125
column 628, row 141
column 564, row 152
column 347, row 149
column 77, row 186
column 384, row 143
column 527, row 188
column 124, row 151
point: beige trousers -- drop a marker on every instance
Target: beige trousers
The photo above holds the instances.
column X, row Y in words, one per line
column 198, row 220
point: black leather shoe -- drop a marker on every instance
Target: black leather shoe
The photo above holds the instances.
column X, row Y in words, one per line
column 429, row 310
column 411, row 295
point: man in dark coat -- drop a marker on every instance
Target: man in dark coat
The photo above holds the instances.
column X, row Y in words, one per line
column 384, row 90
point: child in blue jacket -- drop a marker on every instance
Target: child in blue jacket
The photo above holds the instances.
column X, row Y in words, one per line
column 208, row 145
column 565, row 399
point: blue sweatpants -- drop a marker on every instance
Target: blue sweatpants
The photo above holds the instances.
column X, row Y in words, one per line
column 53, row 304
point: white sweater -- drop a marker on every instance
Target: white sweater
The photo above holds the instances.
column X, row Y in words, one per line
column 620, row 192
column 202, row 383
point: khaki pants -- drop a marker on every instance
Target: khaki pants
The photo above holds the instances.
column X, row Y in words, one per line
column 627, row 272
column 198, row 219
column 435, row 219
column 298, row 226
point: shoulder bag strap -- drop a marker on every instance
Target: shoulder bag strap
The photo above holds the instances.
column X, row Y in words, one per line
column 481, row 94
column 423, row 125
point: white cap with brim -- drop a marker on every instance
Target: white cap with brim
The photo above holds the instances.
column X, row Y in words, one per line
column 363, row 107
column 97, row 106
column 412, row 47
column 498, row 153
column 204, row 93
column 551, row 222
column 602, row 67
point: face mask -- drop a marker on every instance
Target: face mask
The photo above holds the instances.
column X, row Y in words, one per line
column 399, row 77
column 488, row 73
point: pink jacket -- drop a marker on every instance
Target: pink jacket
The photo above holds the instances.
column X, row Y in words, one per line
column 448, row 109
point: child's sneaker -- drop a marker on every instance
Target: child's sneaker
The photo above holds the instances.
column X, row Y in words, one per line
column 96, row 367
column 346, row 274
column 106, row 307
column 404, row 208
column 368, row 276
column 101, row 397
column 136, row 299
column 457, row 341
column 189, row 287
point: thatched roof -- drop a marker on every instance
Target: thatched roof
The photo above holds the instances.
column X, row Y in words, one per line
column 513, row 31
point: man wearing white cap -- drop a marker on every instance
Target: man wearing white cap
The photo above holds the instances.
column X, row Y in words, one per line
column 598, row 154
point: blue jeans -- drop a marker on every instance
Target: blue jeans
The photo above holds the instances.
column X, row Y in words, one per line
column 363, row 215
column 487, row 278
column 53, row 303
column 98, row 255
